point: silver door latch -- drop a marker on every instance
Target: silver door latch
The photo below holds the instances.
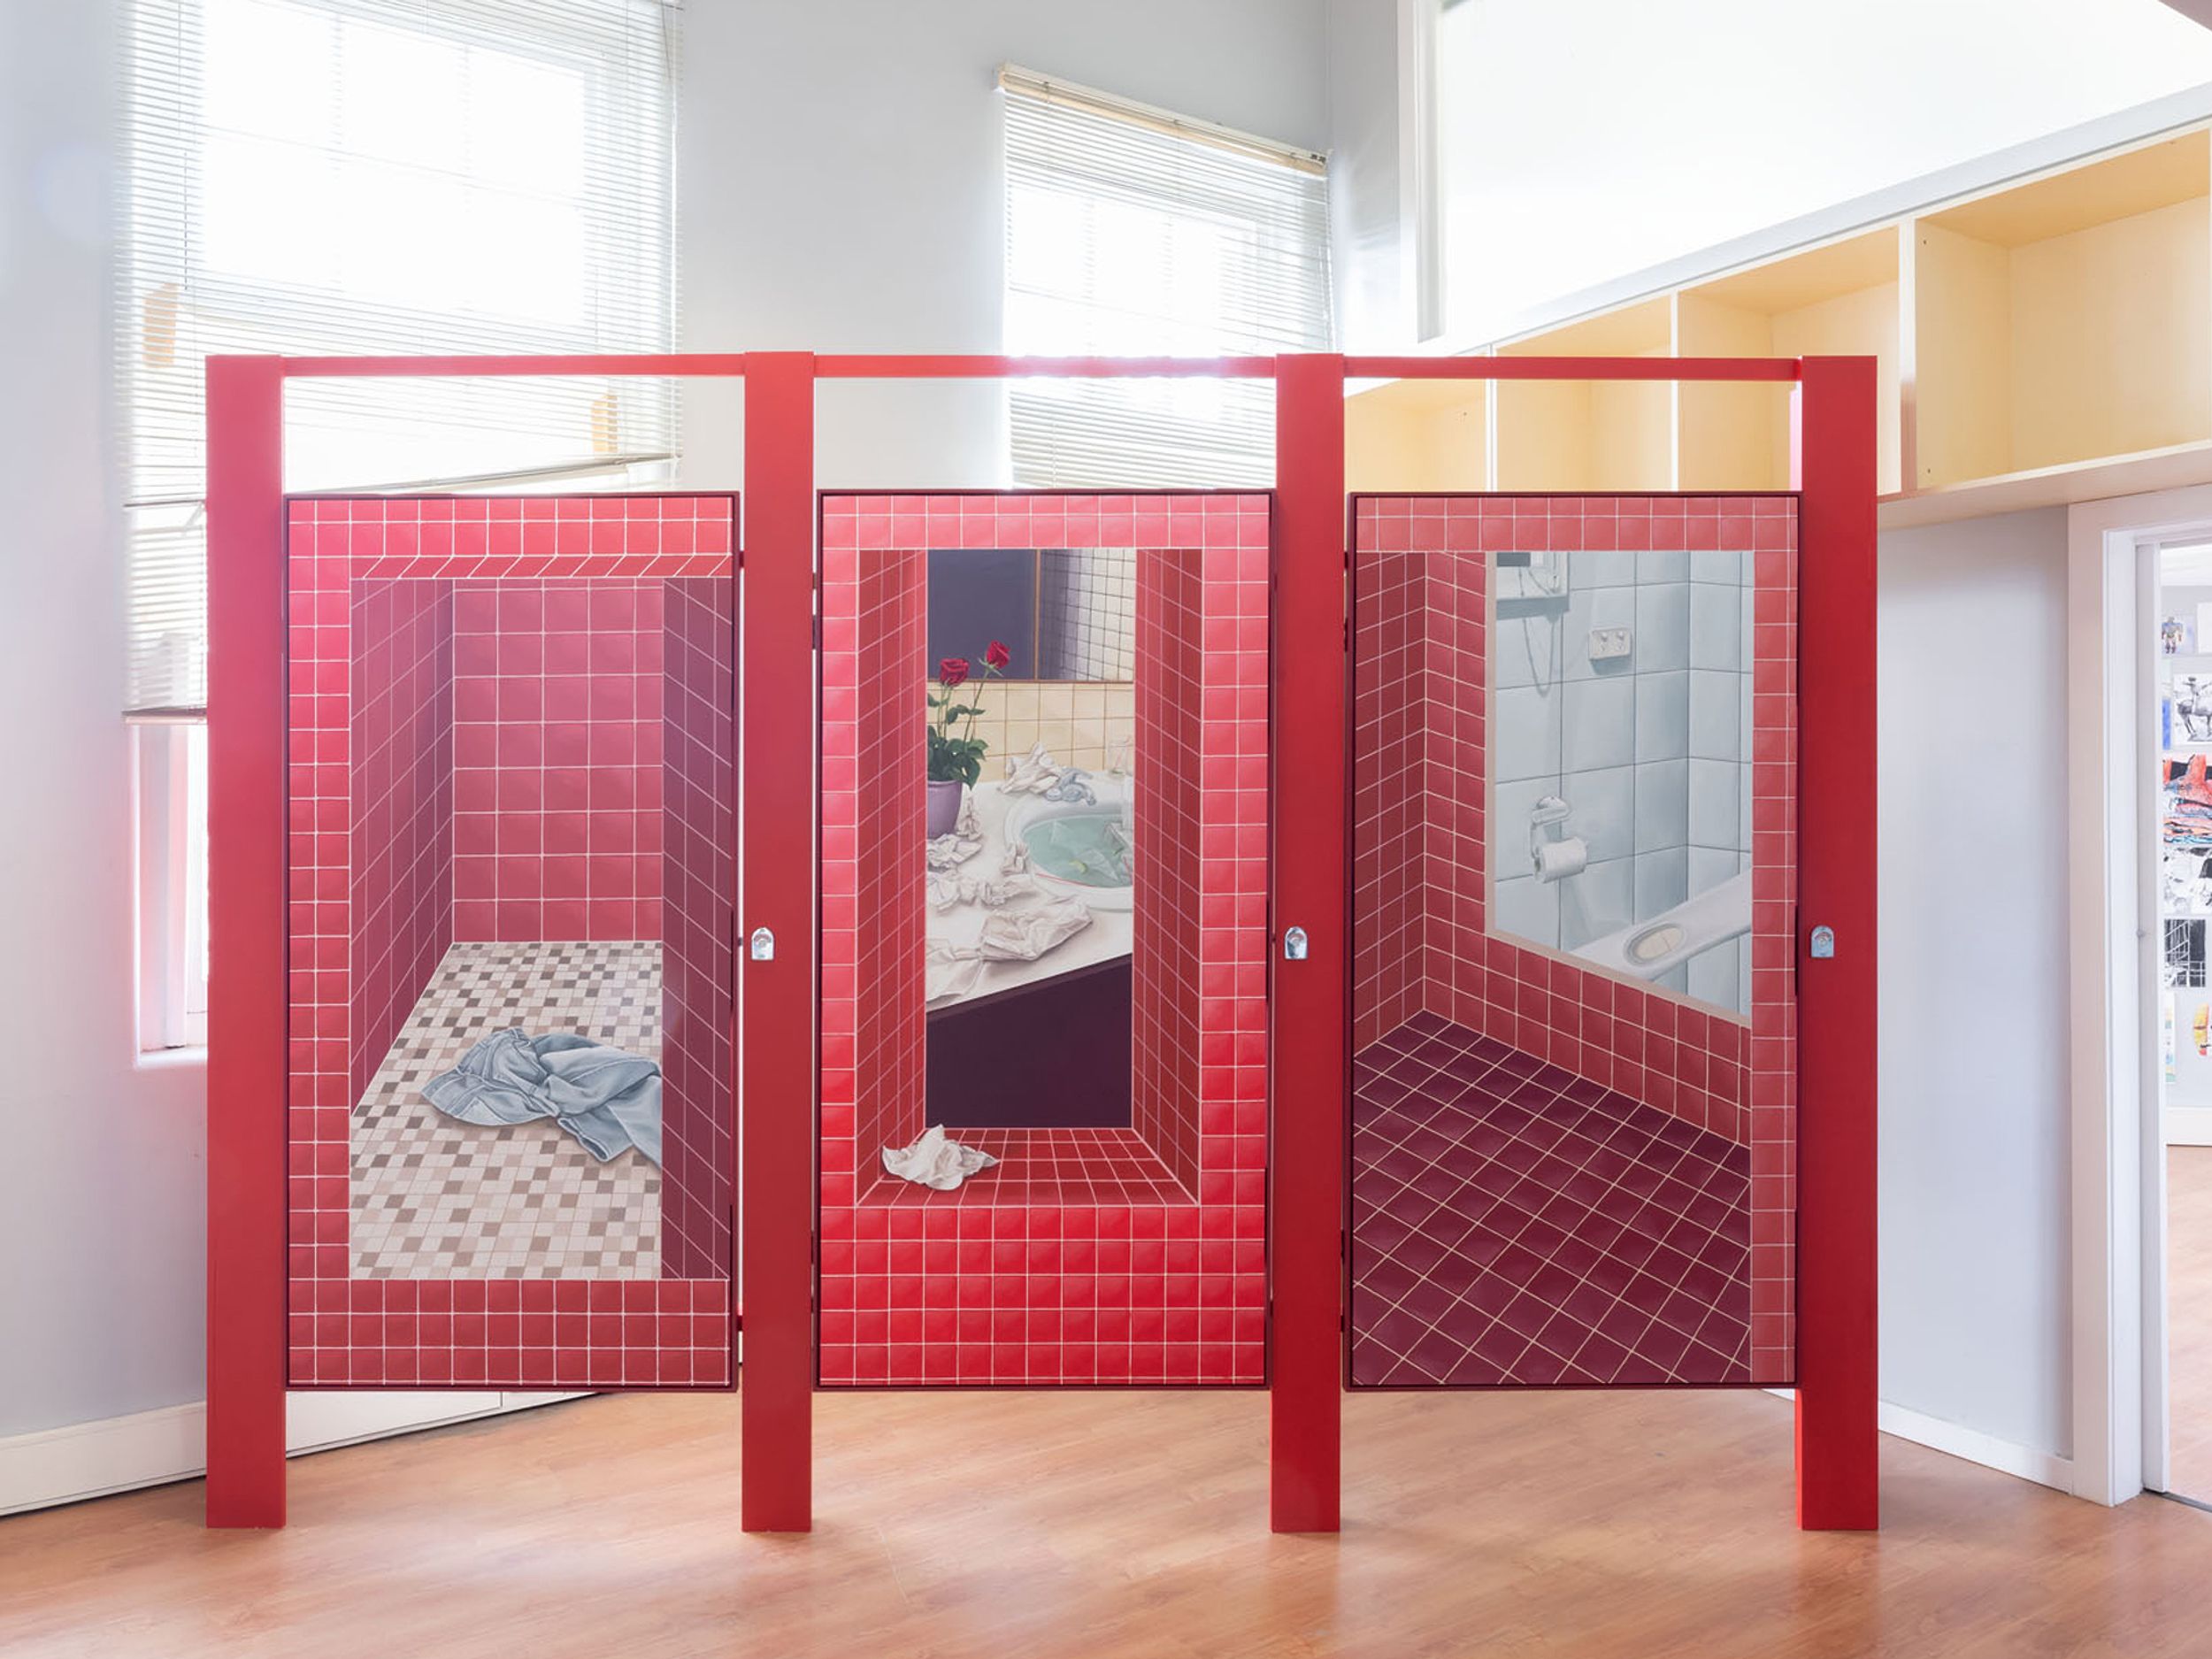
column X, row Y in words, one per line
column 1294, row 944
column 763, row 945
column 1823, row 943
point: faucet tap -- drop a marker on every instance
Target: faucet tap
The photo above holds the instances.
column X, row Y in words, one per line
column 1074, row 786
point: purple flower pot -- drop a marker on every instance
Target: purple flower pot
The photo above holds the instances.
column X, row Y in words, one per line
column 944, row 807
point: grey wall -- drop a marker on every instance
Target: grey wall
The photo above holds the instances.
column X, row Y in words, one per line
column 843, row 189
column 100, row 1296
column 1974, row 1125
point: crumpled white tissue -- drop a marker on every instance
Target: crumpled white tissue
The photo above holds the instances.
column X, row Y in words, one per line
column 1006, row 936
column 958, row 844
column 935, row 1162
column 1032, row 773
column 949, row 888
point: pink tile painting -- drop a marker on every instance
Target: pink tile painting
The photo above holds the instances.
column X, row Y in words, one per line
column 698, row 883
column 1561, row 1051
column 376, row 603
column 557, row 750
column 1087, row 1256
column 400, row 784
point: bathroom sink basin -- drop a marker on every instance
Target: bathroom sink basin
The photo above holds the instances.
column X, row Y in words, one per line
column 1082, row 849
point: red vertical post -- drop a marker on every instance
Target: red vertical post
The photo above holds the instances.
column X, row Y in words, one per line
column 1308, row 1029
column 1839, row 1477
column 776, row 815
column 247, row 1067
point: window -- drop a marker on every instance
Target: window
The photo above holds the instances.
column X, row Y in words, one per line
column 171, row 854
column 383, row 176
column 1131, row 232
column 368, row 176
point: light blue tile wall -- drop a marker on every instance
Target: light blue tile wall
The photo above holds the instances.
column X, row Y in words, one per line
column 1650, row 751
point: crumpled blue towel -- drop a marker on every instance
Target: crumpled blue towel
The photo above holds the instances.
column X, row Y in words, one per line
column 608, row 1100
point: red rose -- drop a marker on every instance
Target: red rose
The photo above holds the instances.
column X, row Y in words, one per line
column 952, row 671
column 997, row 655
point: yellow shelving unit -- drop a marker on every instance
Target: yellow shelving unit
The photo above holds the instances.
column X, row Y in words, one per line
column 1837, row 300
column 1418, row 435
column 2047, row 341
column 2066, row 320
column 1589, row 434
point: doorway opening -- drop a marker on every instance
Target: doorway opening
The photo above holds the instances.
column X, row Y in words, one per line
column 2177, row 569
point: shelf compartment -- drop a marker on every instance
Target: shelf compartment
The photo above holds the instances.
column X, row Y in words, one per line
column 1418, row 435
column 1841, row 299
column 2066, row 320
column 1590, row 435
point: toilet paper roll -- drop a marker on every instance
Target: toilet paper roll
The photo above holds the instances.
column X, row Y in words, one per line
column 1557, row 860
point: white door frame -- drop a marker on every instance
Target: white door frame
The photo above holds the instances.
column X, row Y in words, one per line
column 2118, row 1161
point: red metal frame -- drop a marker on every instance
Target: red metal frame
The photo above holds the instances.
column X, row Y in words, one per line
column 1838, row 1477
column 776, row 889
column 1309, row 1025
column 247, row 1019
column 246, row 1157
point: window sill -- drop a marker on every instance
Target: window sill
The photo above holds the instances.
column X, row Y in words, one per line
column 171, row 1059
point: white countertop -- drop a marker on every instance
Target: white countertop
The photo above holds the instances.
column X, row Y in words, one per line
column 1106, row 939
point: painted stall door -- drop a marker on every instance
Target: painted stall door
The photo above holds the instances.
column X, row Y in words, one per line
column 512, row 794
column 1573, row 1133
column 1044, row 888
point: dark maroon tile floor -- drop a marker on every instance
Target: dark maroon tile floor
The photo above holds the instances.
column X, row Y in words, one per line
column 1514, row 1224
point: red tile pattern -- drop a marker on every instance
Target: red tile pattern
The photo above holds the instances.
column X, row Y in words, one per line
column 557, row 741
column 1113, row 1167
column 1165, row 940
column 973, row 1288
column 1519, row 1224
column 402, row 790
column 698, row 916
column 1393, row 805
column 874, row 818
column 1421, row 609
column 666, row 1333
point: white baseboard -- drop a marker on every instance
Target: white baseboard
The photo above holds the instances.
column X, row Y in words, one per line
column 2046, row 1469
column 1954, row 1439
column 148, row 1448
column 2187, row 1125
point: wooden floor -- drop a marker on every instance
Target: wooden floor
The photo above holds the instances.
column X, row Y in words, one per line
column 2189, row 1318
column 1107, row 1525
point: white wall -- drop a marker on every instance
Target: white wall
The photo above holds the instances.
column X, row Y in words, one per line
column 841, row 187
column 1586, row 141
column 101, row 1202
column 1974, row 1111
column 1368, row 176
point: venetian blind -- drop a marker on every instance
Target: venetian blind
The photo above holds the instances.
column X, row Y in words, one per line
column 1132, row 232
column 383, row 176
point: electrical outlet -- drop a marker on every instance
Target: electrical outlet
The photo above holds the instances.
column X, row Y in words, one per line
column 1610, row 644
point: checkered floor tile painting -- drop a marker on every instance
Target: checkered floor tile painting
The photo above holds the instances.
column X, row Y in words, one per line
column 437, row 1199
column 1514, row 1224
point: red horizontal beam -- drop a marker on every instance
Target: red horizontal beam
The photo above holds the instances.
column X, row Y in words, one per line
column 903, row 366
column 900, row 367
column 1570, row 368
column 725, row 364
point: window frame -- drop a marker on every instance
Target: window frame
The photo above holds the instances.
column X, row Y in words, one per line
column 169, row 767
column 1197, row 433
